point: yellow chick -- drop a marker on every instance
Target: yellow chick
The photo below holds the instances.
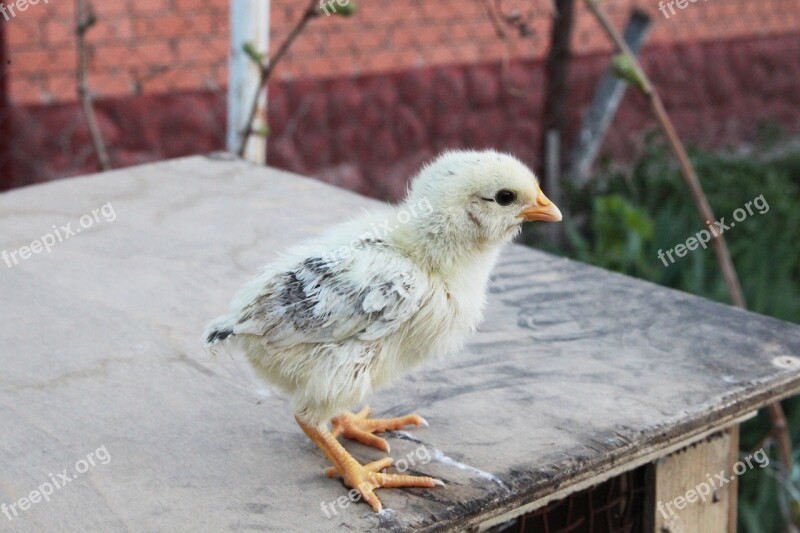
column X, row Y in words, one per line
column 338, row 316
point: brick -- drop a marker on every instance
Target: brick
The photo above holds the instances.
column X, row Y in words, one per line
column 62, row 87
column 177, row 78
column 190, row 5
column 449, row 89
column 113, row 30
column 410, row 127
column 105, row 57
column 105, row 85
column 148, row 6
column 207, row 48
column 161, row 25
column 42, row 61
column 205, row 23
column 26, row 90
column 23, row 34
column 59, row 31
column 103, row 10
column 484, row 86
column 283, row 153
column 345, row 100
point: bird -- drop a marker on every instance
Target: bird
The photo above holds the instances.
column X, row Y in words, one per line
column 342, row 314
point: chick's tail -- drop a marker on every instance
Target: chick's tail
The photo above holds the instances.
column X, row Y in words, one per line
column 218, row 330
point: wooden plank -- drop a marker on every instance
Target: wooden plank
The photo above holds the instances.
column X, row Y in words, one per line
column 695, row 488
column 733, row 457
column 575, row 372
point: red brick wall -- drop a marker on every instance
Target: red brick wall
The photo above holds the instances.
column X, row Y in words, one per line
column 154, row 46
column 370, row 96
column 369, row 133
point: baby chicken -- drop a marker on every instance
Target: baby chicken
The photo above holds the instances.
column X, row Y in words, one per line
column 338, row 316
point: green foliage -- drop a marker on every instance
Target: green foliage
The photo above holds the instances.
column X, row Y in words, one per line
column 620, row 231
column 763, row 247
column 347, row 10
column 256, row 56
column 626, row 69
column 631, row 215
column 263, row 131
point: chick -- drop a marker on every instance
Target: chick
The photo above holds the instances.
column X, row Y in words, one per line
column 338, row 316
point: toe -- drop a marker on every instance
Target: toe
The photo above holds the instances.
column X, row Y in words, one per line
column 367, row 438
column 391, row 424
column 363, row 413
column 375, row 466
column 370, row 498
column 402, row 480
column 380, row 464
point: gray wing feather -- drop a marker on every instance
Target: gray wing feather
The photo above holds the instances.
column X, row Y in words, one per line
column 365, row 295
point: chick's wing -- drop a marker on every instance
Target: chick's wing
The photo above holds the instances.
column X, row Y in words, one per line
column 366, row 292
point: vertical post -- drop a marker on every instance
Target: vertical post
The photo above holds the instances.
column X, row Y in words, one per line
column 552, row 180
column 604, row 106
column 6, row 175
column 556, row 68
column 249, row 23
column 686, row 495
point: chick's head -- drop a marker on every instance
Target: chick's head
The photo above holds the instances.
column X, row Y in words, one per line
column 480, row 196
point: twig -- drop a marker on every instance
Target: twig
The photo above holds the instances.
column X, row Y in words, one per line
column 634, row 73
column 642, row 82
column 268, row 67
column 84, row 20
column 556, row 75
column 498, row 18
column 493, row 17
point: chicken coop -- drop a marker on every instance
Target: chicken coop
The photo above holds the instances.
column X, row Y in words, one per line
column 631, row 407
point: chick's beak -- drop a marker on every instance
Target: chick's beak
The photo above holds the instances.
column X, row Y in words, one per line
column 543, row 209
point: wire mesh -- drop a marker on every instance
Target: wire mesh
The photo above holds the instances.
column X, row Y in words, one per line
column 615, row 506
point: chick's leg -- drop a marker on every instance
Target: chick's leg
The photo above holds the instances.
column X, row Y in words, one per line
column 365, row 479
column 361, row 428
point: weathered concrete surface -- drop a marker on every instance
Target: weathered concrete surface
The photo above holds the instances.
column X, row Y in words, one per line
column 576, row 370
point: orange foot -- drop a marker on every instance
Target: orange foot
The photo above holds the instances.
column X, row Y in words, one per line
column 364, row 478
column 361, row 428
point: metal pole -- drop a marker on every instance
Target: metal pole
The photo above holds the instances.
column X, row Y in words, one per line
column 249, row 23
column 604, row 106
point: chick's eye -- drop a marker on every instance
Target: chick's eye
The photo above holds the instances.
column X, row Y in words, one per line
column 505, row 197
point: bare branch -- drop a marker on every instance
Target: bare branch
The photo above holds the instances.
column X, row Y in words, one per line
column 84, row 20
column 634, row 73
column 268, row 67
column 491, row 12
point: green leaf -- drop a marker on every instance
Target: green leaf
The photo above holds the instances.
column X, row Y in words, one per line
column 263, row 131
column 252, row 53
column 624, row 68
